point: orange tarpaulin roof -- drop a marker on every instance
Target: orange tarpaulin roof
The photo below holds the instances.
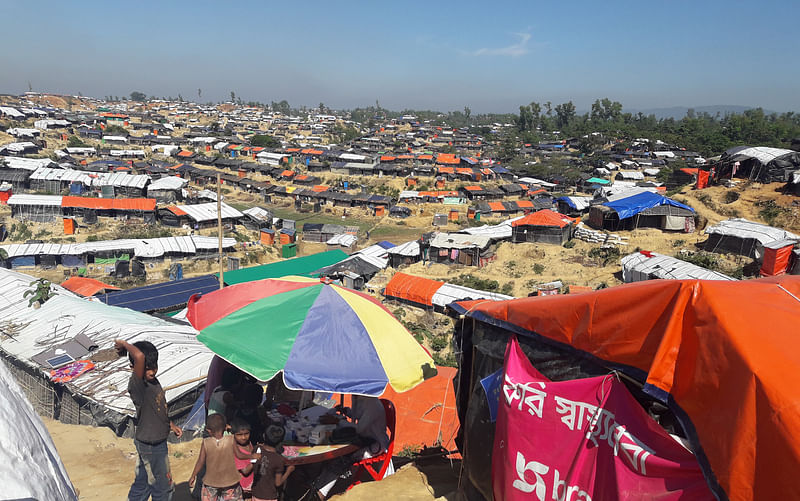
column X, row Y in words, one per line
column 109, row 203
column 524, row 204
column 473, row 188
column 405, row 157
column 113, row 115
column 310, row 151
column 386, row 158
column 426, row 412
column 292, row 150
column 446, row 170
column 287, row 173
column 86, row 287
column 464, row 170
column 415, row 289
column 302, row 177
column 447, row 158
column 535, row 192
column 319, row 188
column 176, row 210
column 544, row 217
column 425, row 157
column 185, row 153
column 722, row 354
column 497, row 206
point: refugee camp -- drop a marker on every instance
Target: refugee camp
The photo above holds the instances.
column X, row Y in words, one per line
column 439, row 252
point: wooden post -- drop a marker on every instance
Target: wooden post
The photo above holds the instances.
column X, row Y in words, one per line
column 219, row 231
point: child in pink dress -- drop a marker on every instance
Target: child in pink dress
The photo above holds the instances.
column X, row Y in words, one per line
column 241, row 432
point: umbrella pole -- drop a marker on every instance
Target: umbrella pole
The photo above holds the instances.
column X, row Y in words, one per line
column 219, row 232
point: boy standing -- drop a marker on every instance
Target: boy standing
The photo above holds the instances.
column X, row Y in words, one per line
column 153, row 476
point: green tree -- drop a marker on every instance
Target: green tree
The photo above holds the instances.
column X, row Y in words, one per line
column 264, row 141
column 138, row 96
column 565, row 113
column 75, row 142
column 233, row 97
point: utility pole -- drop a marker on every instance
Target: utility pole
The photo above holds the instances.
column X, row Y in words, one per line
column 219, row 231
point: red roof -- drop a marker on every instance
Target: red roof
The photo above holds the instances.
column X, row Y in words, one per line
column 147, row 204
column 524, row 204
column 287, row 173
column 185, row 153
column 544, row 217
column 411, row 288
column 385, row 158
column 497, row 206
column 302, row 177
column 86, row 286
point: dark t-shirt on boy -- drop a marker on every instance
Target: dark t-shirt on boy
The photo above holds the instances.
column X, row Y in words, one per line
column 271, row 463
column 152, row 420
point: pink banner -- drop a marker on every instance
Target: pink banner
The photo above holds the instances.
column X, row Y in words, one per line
column 583, row 440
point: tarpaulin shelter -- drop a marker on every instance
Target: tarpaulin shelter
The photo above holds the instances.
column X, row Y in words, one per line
column 718, row 357
column 644, row 209
column 166, row 296
column 426, row 414
column 303, row 266
column 418, row 291
column 86, row 287
column 543, row 226
column 760, row 163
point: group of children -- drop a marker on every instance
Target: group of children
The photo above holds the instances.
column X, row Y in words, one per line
column 234, row 467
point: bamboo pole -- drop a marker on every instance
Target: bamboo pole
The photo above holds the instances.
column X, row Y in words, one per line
column 219, row 232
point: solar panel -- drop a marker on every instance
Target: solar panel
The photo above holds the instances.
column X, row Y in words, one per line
column 59, row 360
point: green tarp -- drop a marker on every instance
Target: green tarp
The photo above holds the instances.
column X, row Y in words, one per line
column 302, row 266
column 597, row 180
column 112, row 260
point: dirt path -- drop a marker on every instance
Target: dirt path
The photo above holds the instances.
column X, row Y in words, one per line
column 101, row 466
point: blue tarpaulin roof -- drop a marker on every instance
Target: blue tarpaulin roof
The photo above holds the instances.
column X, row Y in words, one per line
column 568, row 201
column 627, row 207
column 386, row 244
column 500, row 170
column 163, row 296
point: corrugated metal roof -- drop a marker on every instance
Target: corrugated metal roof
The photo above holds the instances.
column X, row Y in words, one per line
column 149, row 248
column 181, row 356
column 26, row 163
column 407, row 249
column 457, row 241
column 167, row 183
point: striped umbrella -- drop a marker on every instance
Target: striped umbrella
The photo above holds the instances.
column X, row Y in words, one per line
column 322, row 336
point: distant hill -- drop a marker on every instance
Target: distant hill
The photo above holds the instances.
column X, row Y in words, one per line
column 678, row 112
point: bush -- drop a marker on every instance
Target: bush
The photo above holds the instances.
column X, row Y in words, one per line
column 731, row 196
column 75, row 142
column 538, row 268
column 507, row 289
column 438, row 343
column 770, row 211
column 473, row 282
column 605, row 255
column 569, row 244
column 448, row 360
column 92, row 238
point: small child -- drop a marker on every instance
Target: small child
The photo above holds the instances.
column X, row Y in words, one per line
column 269, row 469
column 241, row 432
column 218, row 453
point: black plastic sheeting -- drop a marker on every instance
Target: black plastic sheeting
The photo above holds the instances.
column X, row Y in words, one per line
column 163, row 296
column 482, row 347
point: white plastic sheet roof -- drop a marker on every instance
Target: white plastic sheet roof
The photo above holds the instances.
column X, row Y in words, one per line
column 449, row 293
column 121, row 139
column 375, row 255
column 44, row 124
column 533, row 180
column 637, row 267
column 763, row 154
column 29, row 462
column 75, row 150
column 17, row 147
column 167, row 183
column 121, row 180
column 27, row 199
column 147, row 248
column 742, row 228
column 457, row 241
column 21, row 131
column 207, row 212
column 633, row 175
column 126, row 153
column 343, row 239
column 499, row 231
column 12, row 112
column 407, row 249
column 258, row 213
column 26, row 163
column 181, row 356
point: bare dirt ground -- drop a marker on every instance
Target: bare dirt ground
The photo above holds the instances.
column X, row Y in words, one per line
column 101, row 467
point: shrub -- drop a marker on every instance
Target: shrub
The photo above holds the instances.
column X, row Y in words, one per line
column 507, row 289
column 731, row 196
column 538, row 268
column 569, row 244
column 605, row 255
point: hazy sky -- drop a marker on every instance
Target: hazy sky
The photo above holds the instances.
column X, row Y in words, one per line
column 490, row 56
